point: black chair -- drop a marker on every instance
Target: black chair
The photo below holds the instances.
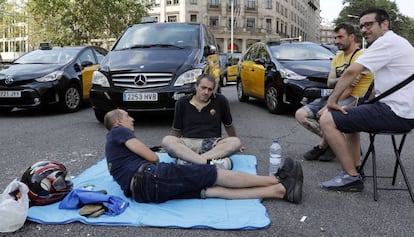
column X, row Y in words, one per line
column 398, row 162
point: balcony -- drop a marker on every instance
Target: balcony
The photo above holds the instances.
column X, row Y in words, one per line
column 213, row 6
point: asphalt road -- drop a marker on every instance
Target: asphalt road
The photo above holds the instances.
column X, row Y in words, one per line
column 78, row 140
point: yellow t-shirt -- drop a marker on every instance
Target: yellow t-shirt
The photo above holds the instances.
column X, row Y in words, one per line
column 340, row 62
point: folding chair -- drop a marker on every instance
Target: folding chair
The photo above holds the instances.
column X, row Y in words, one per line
column 398, row 162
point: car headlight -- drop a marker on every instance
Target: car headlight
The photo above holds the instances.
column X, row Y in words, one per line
column 100, row 79
column 289, row 74
column 56, row 75
column 188, row 77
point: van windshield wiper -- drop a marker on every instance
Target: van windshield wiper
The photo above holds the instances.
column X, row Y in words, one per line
column 140, row 46
column 166, row 46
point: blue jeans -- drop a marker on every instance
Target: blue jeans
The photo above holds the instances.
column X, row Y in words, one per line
column 166, row 181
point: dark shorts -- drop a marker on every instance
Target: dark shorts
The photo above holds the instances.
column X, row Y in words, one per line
column 313, row 107
column 166, row 181
column 371, row 118
column 200, row 145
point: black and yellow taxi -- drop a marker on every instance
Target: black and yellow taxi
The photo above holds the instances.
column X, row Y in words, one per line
column 232, row 69
column 50, row 75
column 283, row 74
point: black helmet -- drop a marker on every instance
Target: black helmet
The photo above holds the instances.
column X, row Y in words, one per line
column 48, row 182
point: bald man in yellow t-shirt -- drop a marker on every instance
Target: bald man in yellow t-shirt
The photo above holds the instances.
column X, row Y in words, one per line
column 309, row 114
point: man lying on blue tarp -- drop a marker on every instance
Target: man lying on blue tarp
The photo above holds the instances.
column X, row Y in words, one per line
column 141, row 176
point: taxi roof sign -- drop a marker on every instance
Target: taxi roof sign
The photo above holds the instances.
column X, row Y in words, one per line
column 149, row 19
column 45, row 45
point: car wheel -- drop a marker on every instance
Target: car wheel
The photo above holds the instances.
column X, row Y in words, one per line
column 240, row 93
column 99, row 114
column 273, row 99
column 224, row 81
column 71, row 99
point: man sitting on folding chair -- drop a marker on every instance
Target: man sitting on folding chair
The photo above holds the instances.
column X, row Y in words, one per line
column 390, row 58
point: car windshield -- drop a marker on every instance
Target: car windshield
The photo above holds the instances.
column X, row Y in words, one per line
column 223, row 60
column 300, row 52
column 49, row 56
column 160, row 35
column 234, row 58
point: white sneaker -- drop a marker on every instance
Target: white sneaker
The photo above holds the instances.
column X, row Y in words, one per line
column 183, row 162
column 224, row 163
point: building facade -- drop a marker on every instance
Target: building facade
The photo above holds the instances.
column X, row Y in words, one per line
column 237, row 24
column 13, row 36
column 327, row 33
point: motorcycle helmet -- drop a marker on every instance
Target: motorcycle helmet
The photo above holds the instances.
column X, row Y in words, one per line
column 48, row 182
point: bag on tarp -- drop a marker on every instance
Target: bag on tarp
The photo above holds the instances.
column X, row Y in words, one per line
column 14, row 206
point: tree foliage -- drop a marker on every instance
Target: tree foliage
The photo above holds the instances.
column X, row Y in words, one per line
column 400, row 24
column 76, row 22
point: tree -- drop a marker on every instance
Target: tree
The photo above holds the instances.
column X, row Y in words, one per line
column 400, row 24
column 76, row 22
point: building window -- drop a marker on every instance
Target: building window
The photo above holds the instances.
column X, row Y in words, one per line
column 213, row 3
column 234, row 23
column 250, row 22
column 172, row 2
column 250, row 4
column 277, row 26
column 268, row 4
column 194, row 2
column 172, row 18
column 193, row 18
column 214, row 20
column 234, row 4
column 269, row 25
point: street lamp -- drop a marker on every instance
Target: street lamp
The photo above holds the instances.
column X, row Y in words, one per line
column 231, row 27
column 364, row 43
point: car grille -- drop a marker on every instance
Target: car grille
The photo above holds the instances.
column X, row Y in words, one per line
column 141, row 80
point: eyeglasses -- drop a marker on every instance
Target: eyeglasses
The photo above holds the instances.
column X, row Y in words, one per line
column 367, row 25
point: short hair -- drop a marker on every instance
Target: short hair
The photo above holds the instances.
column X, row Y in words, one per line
column 111, row 117
column 350, row 29
column 381, row 15
column 206, row 76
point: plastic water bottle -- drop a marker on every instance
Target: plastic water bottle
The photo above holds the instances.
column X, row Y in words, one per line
column 275, row 157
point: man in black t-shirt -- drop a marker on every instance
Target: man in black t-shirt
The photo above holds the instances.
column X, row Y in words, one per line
column 196, row 131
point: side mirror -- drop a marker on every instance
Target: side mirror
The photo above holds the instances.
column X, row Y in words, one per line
column 86, row 63
column 261, row 61
column 209, row 49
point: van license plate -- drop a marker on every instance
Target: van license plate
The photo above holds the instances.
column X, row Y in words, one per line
column 133, row 96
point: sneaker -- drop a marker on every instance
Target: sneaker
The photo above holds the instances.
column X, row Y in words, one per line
column 315, row 153
column 344, row 182
column 361, row 172
column 183, row 162
column 223, row 163
column 327, row 156
column 291, row 177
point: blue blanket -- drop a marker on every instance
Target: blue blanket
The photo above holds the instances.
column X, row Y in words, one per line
column 189, row 213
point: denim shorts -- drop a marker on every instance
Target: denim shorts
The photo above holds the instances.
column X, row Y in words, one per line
column 313, row 107
column 370, row 118
column 166, row 181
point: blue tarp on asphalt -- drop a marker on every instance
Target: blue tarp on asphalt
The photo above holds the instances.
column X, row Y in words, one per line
column 189, row 213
